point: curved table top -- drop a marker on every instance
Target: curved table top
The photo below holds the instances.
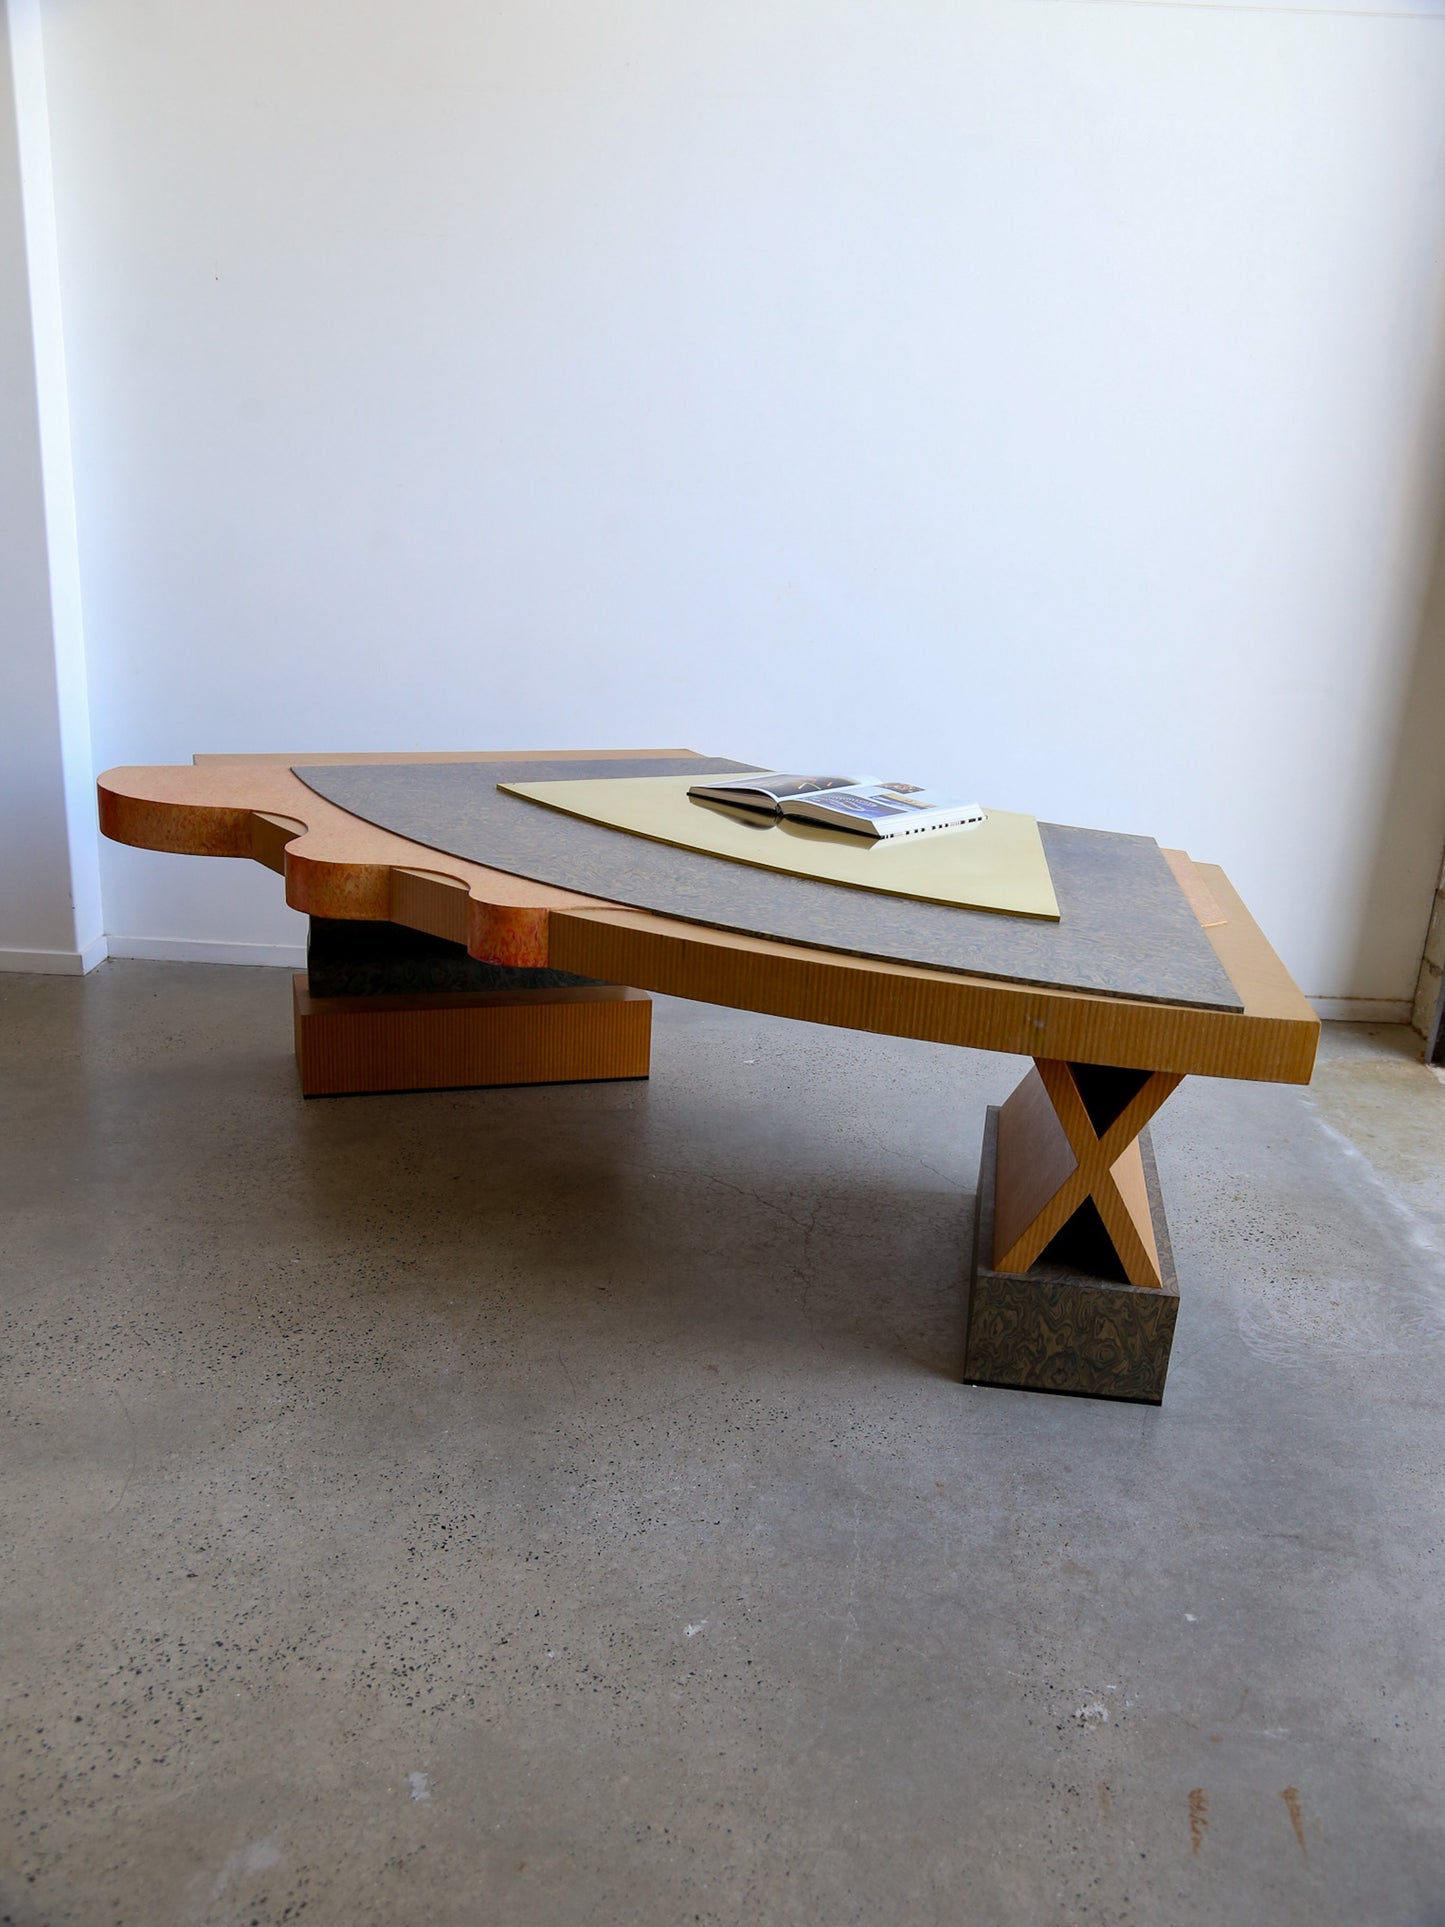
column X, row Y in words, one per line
column 336, row 865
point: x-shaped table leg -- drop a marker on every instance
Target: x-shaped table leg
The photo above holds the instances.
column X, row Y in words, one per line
column 1068, row 1135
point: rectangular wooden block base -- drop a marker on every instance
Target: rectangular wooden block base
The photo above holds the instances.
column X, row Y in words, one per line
column 466, row 1040
column 1058, row 1327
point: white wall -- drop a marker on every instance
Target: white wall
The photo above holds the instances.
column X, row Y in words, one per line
column 50, row 907
column 1043, row 399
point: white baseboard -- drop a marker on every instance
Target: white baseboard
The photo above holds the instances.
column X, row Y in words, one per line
column 1362, row 1010
column 283, row 956
column 56, row 963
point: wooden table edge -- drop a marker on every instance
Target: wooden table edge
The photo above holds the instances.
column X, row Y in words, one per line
column 235, row 805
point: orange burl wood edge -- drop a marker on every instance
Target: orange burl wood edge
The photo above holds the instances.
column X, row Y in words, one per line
column 334, row 864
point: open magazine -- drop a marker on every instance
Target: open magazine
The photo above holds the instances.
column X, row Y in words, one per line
column 864, row 804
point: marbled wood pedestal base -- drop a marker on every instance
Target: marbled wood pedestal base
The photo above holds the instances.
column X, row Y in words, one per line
column 1067, row 1325
column 383, row 1008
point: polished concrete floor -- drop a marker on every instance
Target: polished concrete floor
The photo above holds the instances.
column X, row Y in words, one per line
column 559, row 1506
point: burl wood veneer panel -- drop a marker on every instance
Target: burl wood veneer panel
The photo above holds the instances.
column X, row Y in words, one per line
column 1125, row 927
column 334, row 864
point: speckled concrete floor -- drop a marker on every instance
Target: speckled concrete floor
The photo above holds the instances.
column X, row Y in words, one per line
column 558, row 1506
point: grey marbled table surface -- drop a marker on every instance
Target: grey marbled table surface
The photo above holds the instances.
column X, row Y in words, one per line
column 1125, row 928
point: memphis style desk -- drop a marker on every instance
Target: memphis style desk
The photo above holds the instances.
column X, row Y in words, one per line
column 1072, row 1285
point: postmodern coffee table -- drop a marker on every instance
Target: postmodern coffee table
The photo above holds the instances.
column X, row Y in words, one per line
column 430, row 969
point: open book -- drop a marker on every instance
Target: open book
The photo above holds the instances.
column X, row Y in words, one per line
column 864, row 804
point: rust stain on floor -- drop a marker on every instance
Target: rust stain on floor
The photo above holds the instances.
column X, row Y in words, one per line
column 1290, row 1796
column 1198, row 1818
